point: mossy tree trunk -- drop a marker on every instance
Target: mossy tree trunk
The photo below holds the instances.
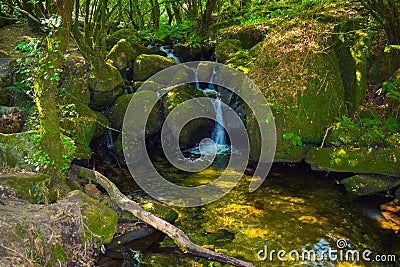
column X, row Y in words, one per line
column 44, row 93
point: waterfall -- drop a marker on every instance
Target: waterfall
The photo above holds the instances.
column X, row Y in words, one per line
column 109, row 139
column 218, row 133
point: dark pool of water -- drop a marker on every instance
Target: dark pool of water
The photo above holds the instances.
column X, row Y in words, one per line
column 296, row 209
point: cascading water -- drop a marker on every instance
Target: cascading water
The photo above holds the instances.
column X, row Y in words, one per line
column 218, row 134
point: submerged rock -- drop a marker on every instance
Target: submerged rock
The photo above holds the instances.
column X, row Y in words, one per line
column 363, row 185
column 359, row 160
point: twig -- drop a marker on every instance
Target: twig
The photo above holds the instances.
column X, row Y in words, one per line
column 326, row 134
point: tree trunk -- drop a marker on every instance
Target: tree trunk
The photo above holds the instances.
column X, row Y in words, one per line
column 179, row 237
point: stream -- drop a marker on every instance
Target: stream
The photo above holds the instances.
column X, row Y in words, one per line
column 295, row 209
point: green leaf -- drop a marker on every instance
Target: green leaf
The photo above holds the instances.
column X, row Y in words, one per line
column 287, row 136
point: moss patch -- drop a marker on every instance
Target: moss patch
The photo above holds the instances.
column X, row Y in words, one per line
column 360, row 160
column 101, row 221
column 148, row 65
column 363, row 185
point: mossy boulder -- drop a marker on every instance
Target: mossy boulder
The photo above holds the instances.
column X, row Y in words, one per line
column 359, row 160
column 122, row 56
column 128, row 34
column 106, row 85
column 248, row 35
column 79, row 89
column 226, row 49
column 194, row 131
column 147, row 65
column 362, row 185
column 118, row 111
column 79, row 125
column 305, row 92
column 100, row 220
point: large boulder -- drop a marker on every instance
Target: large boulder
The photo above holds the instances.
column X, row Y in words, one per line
column 147, row 65
column 106, row 85
column 302, row 84
column 195, row 130
column 74, row 78
column 128, row 34
column 122, row 56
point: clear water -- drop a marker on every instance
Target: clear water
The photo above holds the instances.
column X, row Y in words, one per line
column 295, row 209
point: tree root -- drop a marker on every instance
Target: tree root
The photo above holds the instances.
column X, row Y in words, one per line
column 177, row 235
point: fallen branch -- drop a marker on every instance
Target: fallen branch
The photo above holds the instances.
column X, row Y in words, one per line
column 179, row 237
column 326, row 134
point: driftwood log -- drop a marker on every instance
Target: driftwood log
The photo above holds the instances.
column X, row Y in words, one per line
column 177, row 235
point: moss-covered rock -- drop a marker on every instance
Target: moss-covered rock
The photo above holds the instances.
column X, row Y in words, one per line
column 79, row 123
column 226, row 49
column 122, row 56
column 147, row 65
column 195, row 130
column 15, row 148
column 303, row 87
column 363, row 185
column 74, row 79
column 188, row 52
column 359, row 160
column 383, row 64
column 249, row 35
column 106, row 84
column 100, row 220
column 25, row 185
column 118, row 111
column 128, row 34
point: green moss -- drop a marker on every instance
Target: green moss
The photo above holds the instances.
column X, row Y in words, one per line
column 305, row 79
column 23, row 184
column 106, row 86
column 127, row 34
column 58, row 254
column 122, row 54
column 147, row 65
column 359, row 160
column 225, row 49
column 14, row 148
column 79, row 123
column 363, row 185
column 101, row 222
column 160, row 210
column 249, row 35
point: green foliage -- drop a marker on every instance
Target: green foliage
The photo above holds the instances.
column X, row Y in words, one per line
column 366, row 132
column 295, row 139
column 40, row 191
column 58, row 254
column 392, row 90
column 168, row 33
